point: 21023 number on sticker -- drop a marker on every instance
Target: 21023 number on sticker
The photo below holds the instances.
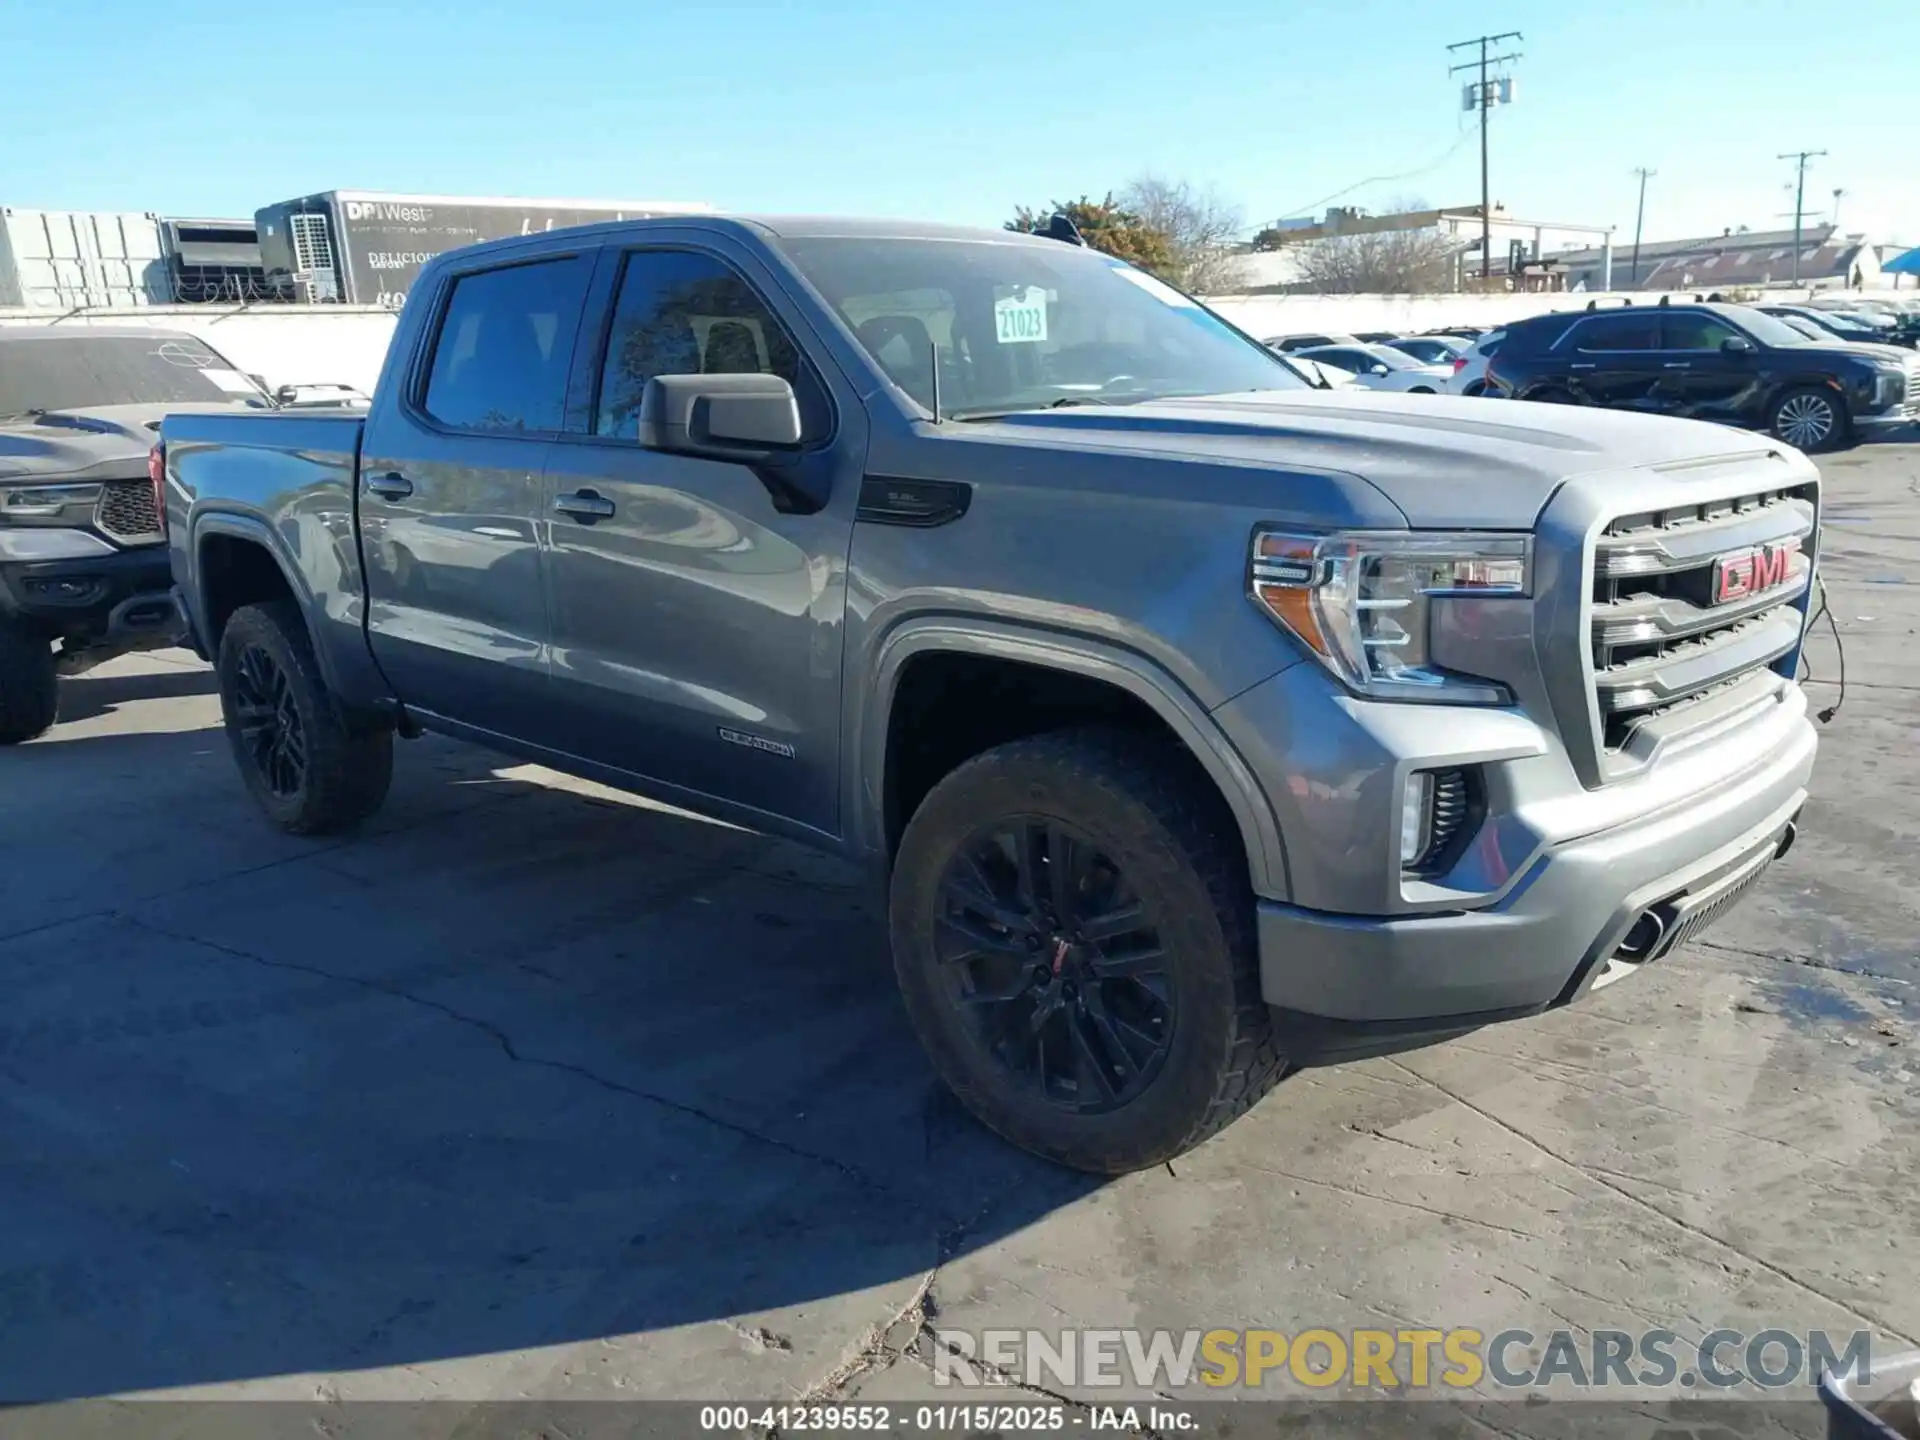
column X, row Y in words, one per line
column 1021, row 319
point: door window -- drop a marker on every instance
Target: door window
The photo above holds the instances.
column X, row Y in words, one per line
column 1617, row 332
column 683, row 313
column 505, row 342
column 1695, row 330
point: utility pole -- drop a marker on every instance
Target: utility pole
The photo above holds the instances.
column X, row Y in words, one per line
column 1483, row 93
column 1800, row 159
column 1639, row 215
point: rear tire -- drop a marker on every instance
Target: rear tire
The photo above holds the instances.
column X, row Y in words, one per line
column 1147, row 849
column 311, row 769
column 29, row 689
column 1809, row 418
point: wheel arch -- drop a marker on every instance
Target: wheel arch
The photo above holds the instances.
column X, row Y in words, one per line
column 1140, row 679
column 220, row 528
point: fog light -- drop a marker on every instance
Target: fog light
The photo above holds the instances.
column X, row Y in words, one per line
column 1436, row 807
column 1416, row 805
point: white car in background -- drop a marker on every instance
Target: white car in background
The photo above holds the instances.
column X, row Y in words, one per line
column 1381, row 367
column 1432, row 349
column 1469, row 375
column 1323, row 377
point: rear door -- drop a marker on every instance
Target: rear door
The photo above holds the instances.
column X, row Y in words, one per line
column 1713, row 383
column 450, row 502
column 697, row 621
column 1614, row 360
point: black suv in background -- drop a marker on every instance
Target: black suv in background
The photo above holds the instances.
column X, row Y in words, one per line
column 1725, row 363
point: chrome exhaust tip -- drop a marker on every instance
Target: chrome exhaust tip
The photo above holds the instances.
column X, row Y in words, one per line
column 1643, row 938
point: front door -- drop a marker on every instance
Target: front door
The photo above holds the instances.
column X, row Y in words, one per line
column 1714, row 383
column 451, row 495
column 698, row 623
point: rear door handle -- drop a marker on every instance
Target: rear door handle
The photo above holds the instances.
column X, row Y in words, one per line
column 1578, row 365
column 390, row 486
column 1679, row 365
column 586, row 506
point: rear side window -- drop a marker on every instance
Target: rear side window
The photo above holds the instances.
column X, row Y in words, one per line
column 506, row 340
column 683, row 313
column 1617, row 332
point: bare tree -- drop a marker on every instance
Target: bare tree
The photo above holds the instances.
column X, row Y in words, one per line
column 1202, row 230
column 1380, row 262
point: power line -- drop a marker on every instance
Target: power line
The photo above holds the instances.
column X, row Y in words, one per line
column 1800, row 159
column 1427, row 169
column 1483, row 95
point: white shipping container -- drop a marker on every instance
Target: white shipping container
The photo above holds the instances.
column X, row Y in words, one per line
column 70, row 259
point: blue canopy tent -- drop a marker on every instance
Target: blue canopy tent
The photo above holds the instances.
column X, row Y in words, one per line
column 1907, row 264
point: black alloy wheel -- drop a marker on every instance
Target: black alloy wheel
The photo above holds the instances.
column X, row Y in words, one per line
column 269, row 721
column 1056, row 963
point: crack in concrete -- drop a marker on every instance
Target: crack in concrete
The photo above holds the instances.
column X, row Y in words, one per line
column 1360, row 1194
column 1811, row 962
column 1779, row 1272
column 507, row 1047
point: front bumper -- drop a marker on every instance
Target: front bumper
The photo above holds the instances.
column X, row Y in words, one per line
column 1344, row 985
column 122, row 599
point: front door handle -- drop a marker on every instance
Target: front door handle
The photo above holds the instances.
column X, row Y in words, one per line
column 390, row 486
column 1583, row 365
column 586, row 506
column 1679, row 365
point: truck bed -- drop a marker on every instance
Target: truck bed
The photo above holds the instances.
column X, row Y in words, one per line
column 291, row 474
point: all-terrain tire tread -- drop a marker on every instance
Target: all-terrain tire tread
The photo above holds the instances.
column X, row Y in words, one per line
column 1137, row 770
column 349, row 766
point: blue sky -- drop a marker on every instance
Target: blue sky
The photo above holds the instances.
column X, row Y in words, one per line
column 961, row 111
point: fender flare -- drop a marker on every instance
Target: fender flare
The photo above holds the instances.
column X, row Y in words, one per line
column 257, row 532
column 1074, row 654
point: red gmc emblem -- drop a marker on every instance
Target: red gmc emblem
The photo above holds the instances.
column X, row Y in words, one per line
column 1749, row 572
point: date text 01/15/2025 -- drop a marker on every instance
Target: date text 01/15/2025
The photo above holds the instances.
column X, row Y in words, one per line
column 939, row 1419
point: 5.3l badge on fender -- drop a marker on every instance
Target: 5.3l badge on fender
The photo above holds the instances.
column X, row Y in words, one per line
column 756, row 742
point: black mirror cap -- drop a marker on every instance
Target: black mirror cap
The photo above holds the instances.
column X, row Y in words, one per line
column 748, row 418
column 1737, row 345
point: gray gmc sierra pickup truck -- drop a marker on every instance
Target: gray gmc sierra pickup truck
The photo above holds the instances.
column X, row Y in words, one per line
column 1202, row 723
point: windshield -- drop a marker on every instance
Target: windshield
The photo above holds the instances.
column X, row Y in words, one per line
column 1020, row 326
column 1764, row 327
column 1803, row 327
column 1391, row 358
column 82, row 371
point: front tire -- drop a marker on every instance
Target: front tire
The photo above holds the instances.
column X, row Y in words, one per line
column 311, row 769
column 1073, row 934
column 29, row 689
column 1809, row 418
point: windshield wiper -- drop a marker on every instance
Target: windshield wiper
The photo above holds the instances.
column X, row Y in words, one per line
column 1064, row 402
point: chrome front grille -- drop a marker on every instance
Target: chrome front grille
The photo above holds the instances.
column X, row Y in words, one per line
column 126, row 511
column 1688, row 601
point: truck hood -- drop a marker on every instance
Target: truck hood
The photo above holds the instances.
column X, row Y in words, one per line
column 59, row 443
column 1446, row 461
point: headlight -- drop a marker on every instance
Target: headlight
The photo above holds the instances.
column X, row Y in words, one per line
column 1892, row 388
column 1361, row 601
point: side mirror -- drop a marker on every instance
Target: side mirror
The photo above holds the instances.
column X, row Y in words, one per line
column 751, row 420
column 1379, row 370
column 745, row 418
column 1737, row 345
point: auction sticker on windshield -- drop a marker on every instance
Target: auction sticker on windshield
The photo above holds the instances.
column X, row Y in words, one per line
column 1021, row 318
